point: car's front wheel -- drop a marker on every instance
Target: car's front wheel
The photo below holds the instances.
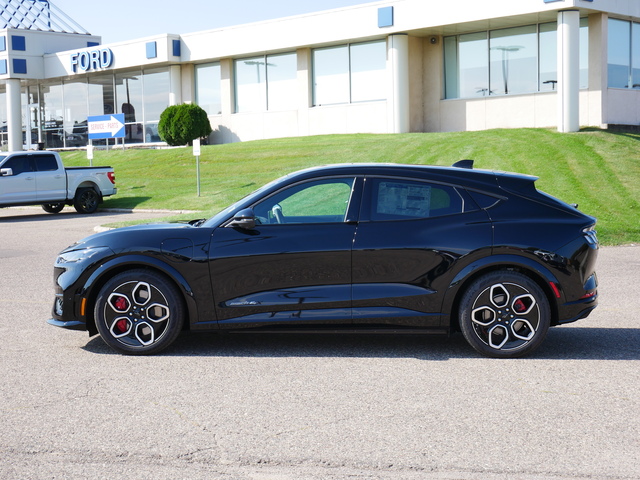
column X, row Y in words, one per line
column 139, row 312
column 504, row 314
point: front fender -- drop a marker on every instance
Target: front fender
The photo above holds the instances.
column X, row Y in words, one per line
column 100, row 275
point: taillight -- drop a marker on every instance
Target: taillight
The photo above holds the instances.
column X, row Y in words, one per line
column 112, row 177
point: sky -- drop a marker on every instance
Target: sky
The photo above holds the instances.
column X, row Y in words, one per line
column 119, row 20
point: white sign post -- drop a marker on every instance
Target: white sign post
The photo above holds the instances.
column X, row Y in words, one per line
column 90, row 154
column 196, row 153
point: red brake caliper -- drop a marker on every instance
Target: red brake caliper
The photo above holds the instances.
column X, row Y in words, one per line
column 519, row 306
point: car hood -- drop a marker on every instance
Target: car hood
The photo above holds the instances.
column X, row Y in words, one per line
column 113, row 237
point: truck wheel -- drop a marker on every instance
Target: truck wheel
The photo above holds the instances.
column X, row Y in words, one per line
column 86, row 200
column 53, row 207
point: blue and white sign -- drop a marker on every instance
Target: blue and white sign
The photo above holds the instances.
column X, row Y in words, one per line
column 106, row 126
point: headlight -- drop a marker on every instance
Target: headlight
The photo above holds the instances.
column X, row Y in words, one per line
column 75, row 256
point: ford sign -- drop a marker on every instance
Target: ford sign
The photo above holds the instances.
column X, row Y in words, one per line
column 91, row 60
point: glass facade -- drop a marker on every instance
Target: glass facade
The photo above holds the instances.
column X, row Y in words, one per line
column 624, row 54
column 507, row 61
column 208, row 95
column 350, row 73
column 60, row 108
column 266, row 83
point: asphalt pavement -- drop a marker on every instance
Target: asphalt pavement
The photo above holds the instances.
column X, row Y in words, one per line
column 271, row 407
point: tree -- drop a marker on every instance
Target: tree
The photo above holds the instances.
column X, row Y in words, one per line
column 181, row 124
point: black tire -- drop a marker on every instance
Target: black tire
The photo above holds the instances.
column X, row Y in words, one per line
column 86, row 200
column 53, row 207
column 504, row 315
column 139, row 312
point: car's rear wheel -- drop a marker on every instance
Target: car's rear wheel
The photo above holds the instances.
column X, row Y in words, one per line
column 86, row 200
column 139, row 312
column 53, row 207
column 504, row 314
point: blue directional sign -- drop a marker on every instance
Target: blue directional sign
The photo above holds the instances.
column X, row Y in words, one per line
column 106, row 126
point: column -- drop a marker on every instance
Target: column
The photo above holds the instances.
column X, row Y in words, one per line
column 175, row 81
column 399, row 120
column 568, row 71
column 14, row 114
column 305, row 91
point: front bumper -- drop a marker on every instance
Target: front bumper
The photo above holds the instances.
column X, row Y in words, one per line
column 71, row 325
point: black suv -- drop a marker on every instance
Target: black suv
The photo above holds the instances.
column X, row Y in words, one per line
column 344, row 248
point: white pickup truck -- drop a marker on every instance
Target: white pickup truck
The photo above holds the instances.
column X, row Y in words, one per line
column 39, row 178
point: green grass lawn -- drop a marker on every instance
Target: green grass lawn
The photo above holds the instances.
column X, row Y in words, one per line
column 599, row 170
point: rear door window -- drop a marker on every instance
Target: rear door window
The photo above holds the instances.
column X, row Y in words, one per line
column 45, row 163
column 400, row 199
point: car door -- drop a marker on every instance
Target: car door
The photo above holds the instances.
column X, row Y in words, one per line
column 20, row 186
column 51, row 182
column 294, row 267
column 411, row 237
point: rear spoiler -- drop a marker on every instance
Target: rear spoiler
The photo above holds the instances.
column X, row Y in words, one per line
column 468, row 164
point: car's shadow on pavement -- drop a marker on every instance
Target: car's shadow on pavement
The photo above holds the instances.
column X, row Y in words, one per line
column 35, row 216
column 563, row 343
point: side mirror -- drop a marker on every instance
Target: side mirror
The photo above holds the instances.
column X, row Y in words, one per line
column 6, row 172
column 245, row 219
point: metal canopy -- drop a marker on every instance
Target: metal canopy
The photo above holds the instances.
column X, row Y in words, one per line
column 37, row 15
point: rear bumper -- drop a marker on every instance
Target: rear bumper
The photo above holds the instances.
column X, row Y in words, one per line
column 583, row 314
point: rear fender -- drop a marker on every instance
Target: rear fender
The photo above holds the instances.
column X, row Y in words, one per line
column 536, row 271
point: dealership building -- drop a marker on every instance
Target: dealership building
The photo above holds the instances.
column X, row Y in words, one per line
column 392, row 66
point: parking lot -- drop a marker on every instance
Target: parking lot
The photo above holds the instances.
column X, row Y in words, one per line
column 261, row 407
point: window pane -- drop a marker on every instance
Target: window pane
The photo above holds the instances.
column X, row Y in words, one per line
column 368, row 71
column 584, row 53
column 129, row 101
column 46, row 163
column 282, row 82
column 635, row 50
column 548, row 57
column 319, row 201
column 53, row 115
column 474, row 61
column 3, row 115
column 101, row 95
column 514, row 54
column 251, row 81
column 208, row 88
column 403, row 200
column 331, row 75
column 451, row 68
column 619, row 53
column 75, row 113
column 156, row 94
column 19, row 164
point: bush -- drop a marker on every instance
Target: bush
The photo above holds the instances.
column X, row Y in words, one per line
column 180, row 124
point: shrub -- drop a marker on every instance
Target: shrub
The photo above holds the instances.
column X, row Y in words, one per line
column 180, row 124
